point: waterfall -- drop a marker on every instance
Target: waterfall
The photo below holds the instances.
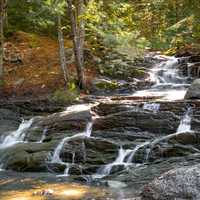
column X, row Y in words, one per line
column 135, row 150
column 168, row 83
column 43, row 135
column 126, row 156
column 56, row 154
column 88, row 130
column 18, row 135
column 120, row 160
column 185, row 123
column 151, row 106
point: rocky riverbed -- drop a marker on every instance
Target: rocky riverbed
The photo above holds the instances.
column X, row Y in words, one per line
column 118, row 147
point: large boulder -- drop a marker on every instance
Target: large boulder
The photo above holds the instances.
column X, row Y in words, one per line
column 57, row 125
column 182, row 183
column 194, row 90
column 26, row 156
column 159, row 123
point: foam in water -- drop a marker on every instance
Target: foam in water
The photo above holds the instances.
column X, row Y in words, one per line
column 169, row 85
column 88, row 130
column 18, row 135
column 185, row 123
column 151, row 106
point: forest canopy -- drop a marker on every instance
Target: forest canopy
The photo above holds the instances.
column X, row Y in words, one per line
column 154, row 23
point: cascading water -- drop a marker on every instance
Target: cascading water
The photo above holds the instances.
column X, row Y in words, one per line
column 185, row 124
column 135, row 150
column 120, row 160
column 43, row 135
column 56, row 154
column 126, row 156
column 169, row 85
column 88, row 130
column 18, row 135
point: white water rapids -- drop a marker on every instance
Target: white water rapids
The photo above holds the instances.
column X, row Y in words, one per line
column 18, row 135
column 168, row 83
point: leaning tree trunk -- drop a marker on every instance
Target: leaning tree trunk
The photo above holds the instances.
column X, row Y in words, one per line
column 2, row 6
column 76, row 45
column 63, row 61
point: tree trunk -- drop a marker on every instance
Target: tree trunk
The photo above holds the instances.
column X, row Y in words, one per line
column 2, row 6
column 80, row 12
column 76, row 45
column 63, row 62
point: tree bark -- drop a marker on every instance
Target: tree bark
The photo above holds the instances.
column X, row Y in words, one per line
column 81, row 28
column 63, row 61
column 78, row 49
column 2, row 7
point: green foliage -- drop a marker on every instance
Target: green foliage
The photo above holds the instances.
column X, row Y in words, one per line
column 107, row 85
column 34, row 16
column 157, row 24
column 66, row 96
column 33, row 43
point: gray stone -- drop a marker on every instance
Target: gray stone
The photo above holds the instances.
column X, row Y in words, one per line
column 182, row 183
column 194, row 90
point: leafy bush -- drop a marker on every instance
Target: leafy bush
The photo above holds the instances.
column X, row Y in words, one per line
column 66, row 96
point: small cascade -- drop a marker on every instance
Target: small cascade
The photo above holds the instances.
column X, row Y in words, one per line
column 18, row 135
column 185, row 123
column 120, row 160
column 88, row 130
column 43, row 135
column 169, row 84
column 135, row 150
column 151, row 106
column 184, row 126
column 125, row 157
column 56, row 154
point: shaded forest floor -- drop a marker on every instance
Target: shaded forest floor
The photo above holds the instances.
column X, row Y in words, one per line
column 32, row 66
column 35, row 70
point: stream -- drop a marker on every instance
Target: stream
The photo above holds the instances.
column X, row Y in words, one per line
column 107, row 149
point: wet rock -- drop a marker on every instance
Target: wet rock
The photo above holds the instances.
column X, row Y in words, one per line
column 89, row 151
column 123, row 136
column 26, row 156
column 193, row 69
column 9, row 121
column 159, row 123
column 194, row 90
column 116, row 184
column 58, row 125
column 188, row 138
column 107, row 86
column 182, row 183
column 29, row 106
column 175, row 145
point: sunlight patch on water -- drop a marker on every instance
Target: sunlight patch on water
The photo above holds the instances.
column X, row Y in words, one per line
column 59, row 191
column 76, row 108
column 170, row 95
